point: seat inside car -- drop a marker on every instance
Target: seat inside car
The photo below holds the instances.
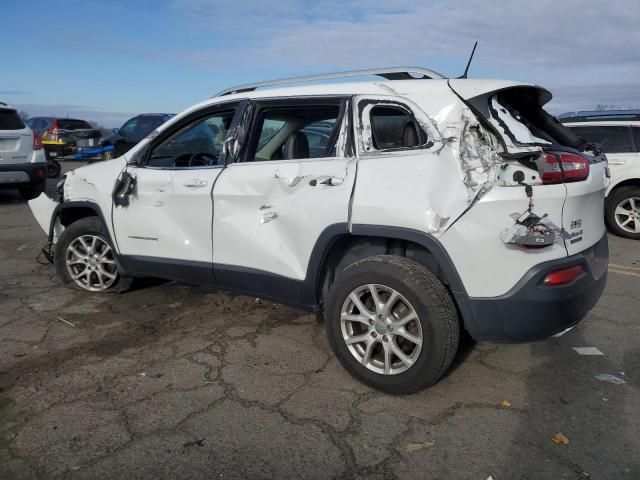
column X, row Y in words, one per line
column 296, row 146
column 409, row 135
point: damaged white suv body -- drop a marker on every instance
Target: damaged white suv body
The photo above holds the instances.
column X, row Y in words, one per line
column 401, row 211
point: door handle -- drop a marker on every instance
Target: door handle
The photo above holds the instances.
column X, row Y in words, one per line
column 196, row 183
column 329, row 181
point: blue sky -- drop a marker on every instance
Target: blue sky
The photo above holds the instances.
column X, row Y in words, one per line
column 107, row 61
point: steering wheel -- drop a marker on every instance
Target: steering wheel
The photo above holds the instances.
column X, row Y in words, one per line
column 202, row 159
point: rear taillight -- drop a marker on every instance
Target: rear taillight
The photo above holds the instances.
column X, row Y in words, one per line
column 37, row 141
column 560, row 167
column 564, row 276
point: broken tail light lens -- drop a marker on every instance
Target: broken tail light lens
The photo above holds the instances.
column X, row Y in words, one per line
column 564, row 167
column 564, row 276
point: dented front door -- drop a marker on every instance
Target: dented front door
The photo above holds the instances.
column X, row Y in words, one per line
column 268, row 215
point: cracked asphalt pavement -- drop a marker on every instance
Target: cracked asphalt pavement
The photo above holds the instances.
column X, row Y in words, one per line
column 176, row 381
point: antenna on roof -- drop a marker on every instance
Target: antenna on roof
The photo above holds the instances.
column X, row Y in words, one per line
column 466, row 70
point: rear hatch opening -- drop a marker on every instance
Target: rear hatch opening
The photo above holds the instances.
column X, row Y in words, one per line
column 540, row 152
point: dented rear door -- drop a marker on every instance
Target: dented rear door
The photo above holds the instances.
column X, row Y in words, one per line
column 270, row 212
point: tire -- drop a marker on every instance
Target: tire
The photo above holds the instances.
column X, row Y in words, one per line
column 53, row 169
column 623, row 205
column 29, row 192
column 101, row 276
column 418, row 291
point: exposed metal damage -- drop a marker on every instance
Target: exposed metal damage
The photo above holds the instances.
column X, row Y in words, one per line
column 479, row 155
column 531, row 230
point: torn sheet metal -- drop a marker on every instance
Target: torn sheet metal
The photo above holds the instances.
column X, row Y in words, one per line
column 479, row 157
column 511, row 127
column 237, row 134
column 531, row 230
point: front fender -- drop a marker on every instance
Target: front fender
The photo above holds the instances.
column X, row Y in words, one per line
column 43, row 209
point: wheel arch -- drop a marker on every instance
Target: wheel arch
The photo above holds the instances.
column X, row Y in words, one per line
column 630, row 182
column 368, row 240
column 69, row 212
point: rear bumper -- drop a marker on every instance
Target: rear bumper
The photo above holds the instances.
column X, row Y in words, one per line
column 23, row 174
column 55, row 150
column 532, row 311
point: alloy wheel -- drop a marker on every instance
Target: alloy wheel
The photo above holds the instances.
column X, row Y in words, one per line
column 91, row 263
column 381, row 329
column 627, row 214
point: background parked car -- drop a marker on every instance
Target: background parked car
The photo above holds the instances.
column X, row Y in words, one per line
column 22, row 162
column 133, row 130
column 64, row 136
column 617, row 133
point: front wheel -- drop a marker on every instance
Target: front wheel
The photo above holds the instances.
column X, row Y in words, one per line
column 623, row 212
column 392, row 324
column 85, row 260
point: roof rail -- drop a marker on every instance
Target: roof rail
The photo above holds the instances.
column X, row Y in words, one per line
column 393, row 73
column 586, row 115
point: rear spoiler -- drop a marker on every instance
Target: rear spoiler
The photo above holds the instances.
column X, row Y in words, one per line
column 515, row 113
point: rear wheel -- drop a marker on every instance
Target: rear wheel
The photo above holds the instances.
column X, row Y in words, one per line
column 392, row 324
column 53, row 168
column 85, row 259
column 623, row 212
column 29, row 192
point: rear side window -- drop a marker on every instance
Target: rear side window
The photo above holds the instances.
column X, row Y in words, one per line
column 636, row 136
column 611, row 139
column 10, row 120
column 296, row 132
column 394, row 127
column 69, row 124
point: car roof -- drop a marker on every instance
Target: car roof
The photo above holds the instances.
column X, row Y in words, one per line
column 600, row 115
column 602, row 123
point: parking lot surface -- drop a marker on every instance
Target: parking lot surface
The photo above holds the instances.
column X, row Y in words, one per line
column 176, row 381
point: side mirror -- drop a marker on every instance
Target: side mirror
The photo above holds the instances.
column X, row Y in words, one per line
column 116, row 130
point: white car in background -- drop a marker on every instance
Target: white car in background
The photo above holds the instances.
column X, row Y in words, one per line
column 617, row 133
column 427, row 206
column 22, row 161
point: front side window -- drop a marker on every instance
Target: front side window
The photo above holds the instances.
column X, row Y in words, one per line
column 196, row 145
column 296, row 132
column 611, row 139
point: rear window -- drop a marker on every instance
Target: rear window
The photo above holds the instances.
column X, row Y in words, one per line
column 10, row 120
column 69, row 124
column 610, row 138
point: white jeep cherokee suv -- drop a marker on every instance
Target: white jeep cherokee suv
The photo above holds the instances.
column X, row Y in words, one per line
column 401, row 211
column 22, row 161
column 617, row 133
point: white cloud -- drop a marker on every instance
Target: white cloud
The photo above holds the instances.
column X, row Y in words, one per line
column 585, row 51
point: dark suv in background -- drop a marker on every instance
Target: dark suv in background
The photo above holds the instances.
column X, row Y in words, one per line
column 133, row 130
